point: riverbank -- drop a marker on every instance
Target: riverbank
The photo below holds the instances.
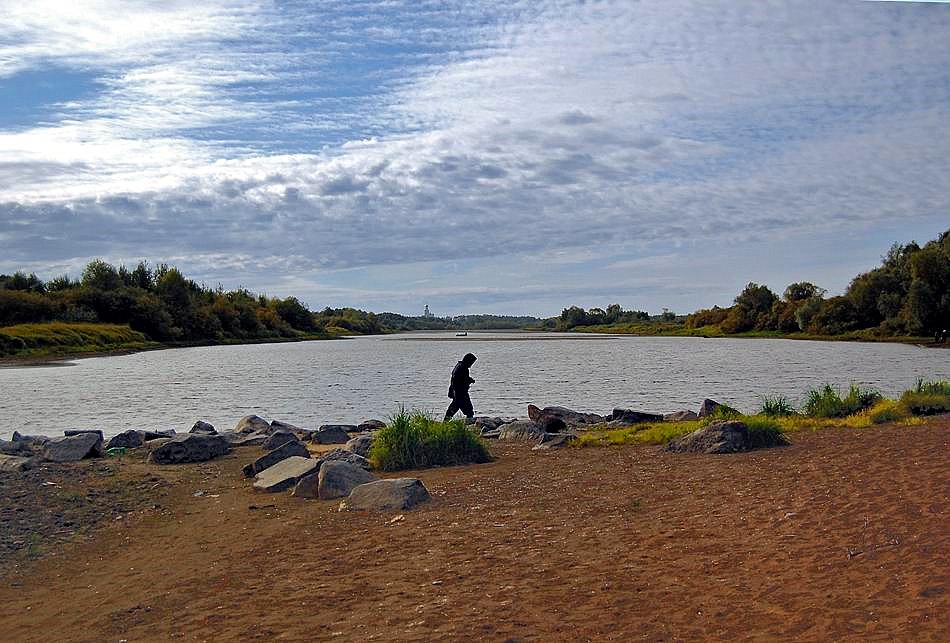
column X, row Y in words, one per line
column 839, row 536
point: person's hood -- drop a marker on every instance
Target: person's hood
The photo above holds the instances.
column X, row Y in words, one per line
column 469, row 359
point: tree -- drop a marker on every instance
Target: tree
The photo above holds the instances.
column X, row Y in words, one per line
column 756, row 299
column 101, row 276
column 802, row 290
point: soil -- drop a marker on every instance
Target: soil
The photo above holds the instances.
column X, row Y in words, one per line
column 841, row 536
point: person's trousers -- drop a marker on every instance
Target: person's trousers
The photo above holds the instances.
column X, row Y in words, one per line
column 461, row 402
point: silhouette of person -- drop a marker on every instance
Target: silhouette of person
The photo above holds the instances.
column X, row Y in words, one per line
column 458, row 389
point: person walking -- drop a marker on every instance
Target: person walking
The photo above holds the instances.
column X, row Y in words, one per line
column 458, row 389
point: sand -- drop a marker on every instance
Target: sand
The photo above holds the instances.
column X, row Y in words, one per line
column 841, row 536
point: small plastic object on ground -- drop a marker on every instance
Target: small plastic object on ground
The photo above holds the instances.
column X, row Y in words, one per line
column 116, row 451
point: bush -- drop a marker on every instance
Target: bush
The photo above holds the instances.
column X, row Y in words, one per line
column 764, row 433
column 927, row 398
column 886, row 411
column 776, row 406
column 415, row 440
column 826, row 402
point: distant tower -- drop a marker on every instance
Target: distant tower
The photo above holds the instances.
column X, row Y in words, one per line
column 426, row 313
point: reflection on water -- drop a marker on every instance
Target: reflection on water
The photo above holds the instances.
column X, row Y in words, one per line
column 313, row 383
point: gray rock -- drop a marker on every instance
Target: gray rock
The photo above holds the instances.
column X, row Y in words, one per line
column 189, row 447
column 73, row 448
column 252, row 424
column 244, row 439
column 555, row 441
column 708, row 407
column 285, row 474
column 278, row 438
column 520, row 430
column 295, row 448
column 15, row 464
column 70, row 433
column 386, row 495
column 491, row 435
column 332, row 434
column 680, row 416
column 203, row 427
column 15, row 447
column 370, row 425
column 130, row 439
column 718, row 437
column 361, row 445
column 570, row 417
column 628, row 416
column 337, row 479
column 154, row 443
column 301, row 434
column 345, row 455
column 551, row 424
column 30, row 440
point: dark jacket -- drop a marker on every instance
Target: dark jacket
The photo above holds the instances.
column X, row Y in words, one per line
column 461, row 380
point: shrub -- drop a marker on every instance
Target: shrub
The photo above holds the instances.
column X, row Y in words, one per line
column 415, row 440
column 764, row 432
column 886, row 411
column 776, row 406
column 826, row 402
column 927, row 398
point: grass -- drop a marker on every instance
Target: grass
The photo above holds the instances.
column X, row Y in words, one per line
column 927, row 398
column 776, row 406
column 56, row 338
column 826, row 402
column 414, row 440
column 763, row 431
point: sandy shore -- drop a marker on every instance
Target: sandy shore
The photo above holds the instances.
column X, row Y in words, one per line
column 841, row 536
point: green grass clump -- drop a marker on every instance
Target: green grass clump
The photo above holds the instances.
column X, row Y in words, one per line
column 826, row 402
column 927, row 398
column 62, row 337
column 415, row 441
column 776, row 406
column 764, row 432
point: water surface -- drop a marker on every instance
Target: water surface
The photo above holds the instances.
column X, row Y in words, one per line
column 321, row 382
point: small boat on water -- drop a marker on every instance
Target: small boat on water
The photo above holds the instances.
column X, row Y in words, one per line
column 462, row 334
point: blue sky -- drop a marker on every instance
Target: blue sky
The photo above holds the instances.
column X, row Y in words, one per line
column 511, row 157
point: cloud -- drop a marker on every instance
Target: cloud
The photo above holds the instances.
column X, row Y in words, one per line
column 337, row 138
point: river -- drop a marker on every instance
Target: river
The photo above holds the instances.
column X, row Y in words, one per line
column 349, row 380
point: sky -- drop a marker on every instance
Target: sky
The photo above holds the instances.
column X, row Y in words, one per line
column 479, row 157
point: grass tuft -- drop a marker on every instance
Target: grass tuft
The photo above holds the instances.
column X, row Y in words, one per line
column 776, row 406
column 414, row 440
column 826, row 402
column 927, row 398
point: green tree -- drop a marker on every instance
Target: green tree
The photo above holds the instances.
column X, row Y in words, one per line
column 101, row 276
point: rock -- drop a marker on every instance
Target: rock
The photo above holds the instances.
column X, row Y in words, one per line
column 130, row 439
column 371, row 425
column 490, row 424
column 155, row 443
column 555, row 441
column 386, row 495
column 491, row 435
column 30, row 440
column 278, row 438
column 718, row 437
column 154, row 435
column 337, row 479
column 252, row 424
column 295, row 448
column 628, row 416
column 69, row 433
column 520, row 430
column 301, row 434
column 15, row 447
column 285, row 474
column 680, row 416
column 244, row 439
column 189, row 447
column 361, row 445
column 203, row 427
column 345, row 455
column 571, row 418
column 14, row 463
column 708, row 407
column 551, row 424
column 332, row 434
column 74, row 447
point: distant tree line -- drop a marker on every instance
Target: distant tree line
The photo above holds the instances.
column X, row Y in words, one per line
column 575, row 316
column 396, row 322
column 908, row 294
column 161, row 303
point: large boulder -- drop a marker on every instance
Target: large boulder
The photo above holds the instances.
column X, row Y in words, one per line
column 15, row 447
column 521, row 431
column 244, row 439
column 345, row 455
column 628, row 416
column 33, row 441
column 718, row 437
column 708, row 407
column 203, row 427
column 332, row 434
column 680, row 416
column 285, row 474
column 130, row 439
column 15, row 463
column 277, row 426
column 73, row 448
column 336, row 479
column 386, row 495
column 570, row 417
column 551, row 424
column 189, row 447
column 252, row 424
column 277, row 439
column 361, row 445
column 294, row 448
column 370, row 425
column 552, row 441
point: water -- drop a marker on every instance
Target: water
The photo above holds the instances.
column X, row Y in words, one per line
column 346, row 381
